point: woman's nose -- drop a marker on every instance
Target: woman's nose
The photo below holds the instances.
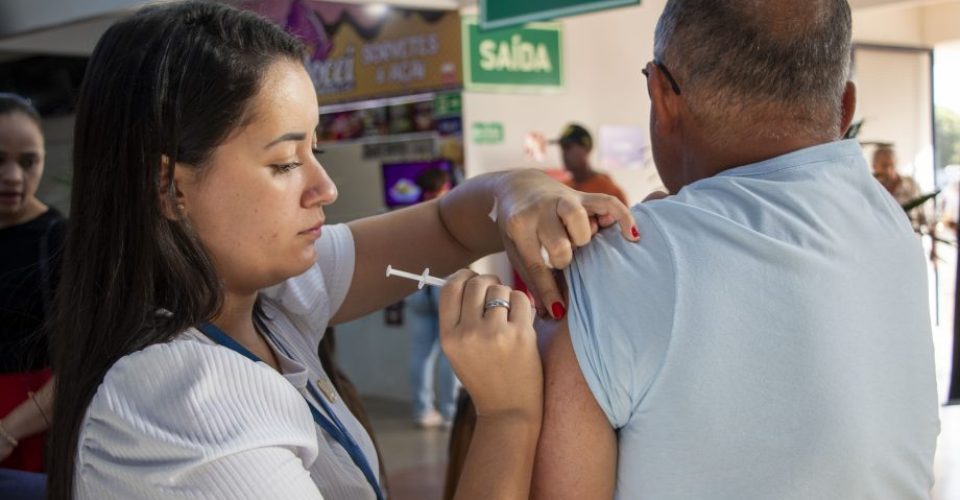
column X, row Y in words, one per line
column 321, row 190
column 11, row 175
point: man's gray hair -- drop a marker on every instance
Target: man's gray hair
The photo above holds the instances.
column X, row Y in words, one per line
column 779, row 63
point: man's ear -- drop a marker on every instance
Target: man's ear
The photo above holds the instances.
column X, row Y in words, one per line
column 664, row 102
column 172, row 200
column 848, row 106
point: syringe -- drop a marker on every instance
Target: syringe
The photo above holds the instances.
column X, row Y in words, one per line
column 421, row 279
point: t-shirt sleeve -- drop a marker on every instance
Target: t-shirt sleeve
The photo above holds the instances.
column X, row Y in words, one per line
column 621, row 307
column 191, row 420
column 313, row 297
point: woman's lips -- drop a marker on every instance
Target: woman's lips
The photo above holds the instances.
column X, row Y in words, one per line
column 313, row 231
column 10, row 198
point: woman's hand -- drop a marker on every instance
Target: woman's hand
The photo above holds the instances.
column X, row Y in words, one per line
column 492, row 350
column 6, row 447
column 534, row 211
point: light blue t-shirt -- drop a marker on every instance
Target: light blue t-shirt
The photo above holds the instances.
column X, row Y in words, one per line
column 768, row 338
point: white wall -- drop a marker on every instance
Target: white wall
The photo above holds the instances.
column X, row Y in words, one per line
column 908, row 23
column 604, row 54
column 892, row 25
column 941, row 22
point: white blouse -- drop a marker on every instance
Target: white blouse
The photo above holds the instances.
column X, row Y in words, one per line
column 193, row 419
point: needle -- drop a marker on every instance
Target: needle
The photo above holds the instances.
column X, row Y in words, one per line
column 421, row 279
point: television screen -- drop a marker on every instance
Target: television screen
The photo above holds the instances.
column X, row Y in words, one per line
column 409, row 183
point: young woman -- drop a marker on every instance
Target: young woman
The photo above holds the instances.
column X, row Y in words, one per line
column 199, row 278
column 31, row 236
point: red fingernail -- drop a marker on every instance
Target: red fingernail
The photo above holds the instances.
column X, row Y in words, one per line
column 634, row 232
column 558, row 310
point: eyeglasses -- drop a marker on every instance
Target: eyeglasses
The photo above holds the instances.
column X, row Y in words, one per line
column 666, row 73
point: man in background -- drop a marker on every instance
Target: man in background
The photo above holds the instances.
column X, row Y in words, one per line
column 576, row 143
column 902, row 187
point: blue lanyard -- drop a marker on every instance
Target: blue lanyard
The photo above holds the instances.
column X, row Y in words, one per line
column 332, row 426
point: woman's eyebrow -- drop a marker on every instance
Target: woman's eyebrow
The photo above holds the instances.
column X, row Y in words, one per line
column 289, row 136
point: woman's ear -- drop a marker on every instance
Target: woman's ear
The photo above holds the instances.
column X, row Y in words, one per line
column 172, row 201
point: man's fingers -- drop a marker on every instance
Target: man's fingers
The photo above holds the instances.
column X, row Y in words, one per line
column 608, row 210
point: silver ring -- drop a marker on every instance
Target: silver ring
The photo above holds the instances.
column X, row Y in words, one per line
column 496, row 303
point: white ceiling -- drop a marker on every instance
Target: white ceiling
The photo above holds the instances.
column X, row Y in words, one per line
column 74, row 39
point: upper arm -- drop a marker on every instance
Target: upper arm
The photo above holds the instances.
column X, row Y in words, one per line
column 577, row 452
column 602, row 359
column 254, row 473
column 410, row 239
column 191, row 419
column 268, row 472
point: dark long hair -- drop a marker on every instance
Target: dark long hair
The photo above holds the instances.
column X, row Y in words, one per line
column 169, row 81
column 13, row 103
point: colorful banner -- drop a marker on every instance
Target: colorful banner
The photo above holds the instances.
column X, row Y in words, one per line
column 360, row 51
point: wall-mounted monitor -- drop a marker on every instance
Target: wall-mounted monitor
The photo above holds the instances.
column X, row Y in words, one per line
column 404, row 183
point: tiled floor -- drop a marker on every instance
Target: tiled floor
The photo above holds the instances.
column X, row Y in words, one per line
column 416, row 458
column 947, row 465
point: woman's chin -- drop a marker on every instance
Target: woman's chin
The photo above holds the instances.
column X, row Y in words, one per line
column 304, row 262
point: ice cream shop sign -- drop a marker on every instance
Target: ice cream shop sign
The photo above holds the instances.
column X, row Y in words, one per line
column 354, row 52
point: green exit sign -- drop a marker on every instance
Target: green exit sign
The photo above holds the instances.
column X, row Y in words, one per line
column 500, row 13
column 487, row 133
column 508, row 59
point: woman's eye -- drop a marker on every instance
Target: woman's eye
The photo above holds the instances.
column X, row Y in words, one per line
column 28, row 161
column 317, row 151
column 285, row 167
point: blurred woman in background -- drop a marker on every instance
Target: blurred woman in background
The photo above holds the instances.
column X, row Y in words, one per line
column 31, row 235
